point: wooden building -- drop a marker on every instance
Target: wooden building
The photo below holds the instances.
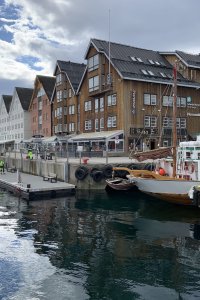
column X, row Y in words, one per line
column 65, row 106
column 131, row 89
column 40, row 106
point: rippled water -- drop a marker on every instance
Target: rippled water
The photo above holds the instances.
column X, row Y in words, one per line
column 98, row 246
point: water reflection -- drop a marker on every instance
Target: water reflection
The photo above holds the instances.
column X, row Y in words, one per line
column 98, row 246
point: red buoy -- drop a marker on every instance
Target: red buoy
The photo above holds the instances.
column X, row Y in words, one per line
column 162, row 172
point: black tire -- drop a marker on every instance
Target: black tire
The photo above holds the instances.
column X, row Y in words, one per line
column 80, row 173
column 92, row 171
column 121, row 173
column 97, row 176
column 107, row 171
column 84, row 168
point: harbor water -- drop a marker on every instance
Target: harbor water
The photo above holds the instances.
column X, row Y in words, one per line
column 98, row 245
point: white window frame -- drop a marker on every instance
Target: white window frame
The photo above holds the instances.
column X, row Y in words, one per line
column 93, row 62
column 94, row 83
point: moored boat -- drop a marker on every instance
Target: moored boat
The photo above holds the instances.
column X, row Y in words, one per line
column 120, row 184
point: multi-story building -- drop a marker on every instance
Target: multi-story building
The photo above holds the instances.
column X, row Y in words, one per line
column 131, row 89
column 41, row 107
column 4, row 120
column 65, row 107
column 19, row 124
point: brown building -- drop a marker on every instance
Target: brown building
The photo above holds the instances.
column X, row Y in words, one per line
column 40, row 106
column 65, row 106
column 129, row 89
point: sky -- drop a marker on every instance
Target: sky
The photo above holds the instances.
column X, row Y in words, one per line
column 34, row 34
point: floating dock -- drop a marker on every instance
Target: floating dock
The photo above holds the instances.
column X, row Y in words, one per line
column 32, row 187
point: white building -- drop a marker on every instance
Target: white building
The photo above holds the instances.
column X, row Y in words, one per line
column 4, row 118
column 16, row 124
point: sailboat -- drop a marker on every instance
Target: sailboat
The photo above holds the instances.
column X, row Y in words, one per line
column 174, row 176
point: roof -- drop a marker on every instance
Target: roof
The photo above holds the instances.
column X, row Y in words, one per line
column 74, row 71
column 191, row 60
column 139, row 64
column 25, row 95
column 102, row 135
column 7, row 101
column 48, row 83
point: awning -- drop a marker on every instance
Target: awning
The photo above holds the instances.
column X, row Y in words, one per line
column 7, row 142
column 51, row 139
column 96, row 136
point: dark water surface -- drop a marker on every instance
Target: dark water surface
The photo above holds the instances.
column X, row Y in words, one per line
column 98, row 246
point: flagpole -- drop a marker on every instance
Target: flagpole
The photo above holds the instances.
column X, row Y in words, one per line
column 174, row 118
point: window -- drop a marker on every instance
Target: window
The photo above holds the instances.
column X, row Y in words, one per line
column 144, row 72
column 71, row 109
column 59, row 78
column 40, row 93
column 59, row 96
column 96, row 124
column 101, row 104
column 181, row 102
column 59, row 112
column 93, row 83
column 150, row 99
column 93, row 62
column 167, row 100
column 96, row 105
column 71, row 127
column 102, row 123
column 163, row 74
column 88, row 105
column 70, row 93
column 167, row 122
column 150, row 121
column 65, row 94
column 88, row 124
column 112, row 122
column 112, row 100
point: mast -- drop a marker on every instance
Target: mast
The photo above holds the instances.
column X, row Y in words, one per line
column 109, row 50
column 174, row 118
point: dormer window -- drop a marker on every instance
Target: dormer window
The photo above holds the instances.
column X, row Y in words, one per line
column 93, row 62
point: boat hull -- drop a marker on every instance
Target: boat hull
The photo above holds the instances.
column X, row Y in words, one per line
column 120, row 184
column 174, row 191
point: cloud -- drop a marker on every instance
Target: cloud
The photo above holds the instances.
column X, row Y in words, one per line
column 48, row 30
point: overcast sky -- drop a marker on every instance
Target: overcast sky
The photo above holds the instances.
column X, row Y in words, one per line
column 35, row 33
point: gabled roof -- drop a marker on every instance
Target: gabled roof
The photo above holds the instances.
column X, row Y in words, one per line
column 138, row 64
column 74, row 72
column 25, row 95
column 48, row 83
column 191, row 60
column 7, row 101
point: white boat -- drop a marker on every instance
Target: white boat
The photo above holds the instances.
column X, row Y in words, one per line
column 120, row 184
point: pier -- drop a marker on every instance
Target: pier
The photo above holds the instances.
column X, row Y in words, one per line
column 31, row 187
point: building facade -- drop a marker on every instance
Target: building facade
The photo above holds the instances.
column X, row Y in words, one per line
column 41, row 107
column 131, row 89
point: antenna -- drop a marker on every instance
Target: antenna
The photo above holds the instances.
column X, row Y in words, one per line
column 109, row 79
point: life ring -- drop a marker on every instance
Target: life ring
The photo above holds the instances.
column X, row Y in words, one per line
column 81, row 173
column 107, row 171
column 97, row 176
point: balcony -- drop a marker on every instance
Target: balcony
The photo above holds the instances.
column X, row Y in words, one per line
column 102, row 89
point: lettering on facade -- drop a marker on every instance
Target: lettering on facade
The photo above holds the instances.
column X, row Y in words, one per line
column 133, row 106
column 143, row 131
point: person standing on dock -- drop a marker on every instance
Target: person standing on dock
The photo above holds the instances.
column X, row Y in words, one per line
column 2, row 166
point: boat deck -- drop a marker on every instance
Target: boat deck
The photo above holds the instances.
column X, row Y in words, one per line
column 33, row 187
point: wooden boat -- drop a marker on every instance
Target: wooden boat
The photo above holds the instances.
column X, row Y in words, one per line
column 120, row 184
